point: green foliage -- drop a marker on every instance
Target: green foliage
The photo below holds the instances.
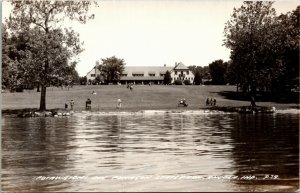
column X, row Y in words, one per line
column 231, row 76
column 288, row 33
column 203, row 73
column 98, row 79
column 263, row 47
column 217, row 70
column 5, row 57
column 187, row 82
column 44, row 54
column 83, row 80
column 197, row 78
column 111, row 69
column 178, row 82
column 167, row 78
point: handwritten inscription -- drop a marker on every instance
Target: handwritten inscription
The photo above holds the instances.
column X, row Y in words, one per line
column 157, row 177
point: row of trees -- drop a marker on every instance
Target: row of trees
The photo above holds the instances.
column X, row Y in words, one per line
column 264, row 47
column 264, row 50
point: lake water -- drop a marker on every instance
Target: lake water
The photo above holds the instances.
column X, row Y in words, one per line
column 151, row 151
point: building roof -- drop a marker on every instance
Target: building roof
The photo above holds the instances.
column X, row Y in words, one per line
column 146, row 69
column 180, row 66
column 133, row 78
column 93, row 69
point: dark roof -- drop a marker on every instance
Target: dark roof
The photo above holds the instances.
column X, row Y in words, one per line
column 180, row 66
column 126, row 78
column 146, row 69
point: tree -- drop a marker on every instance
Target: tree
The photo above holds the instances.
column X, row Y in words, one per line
column 167, row 78
column 197, row 71
column 98, row 79
column 255, row 48
column 111, row 69
column 205, row 74
column 197, row 78
column 83, row 80
column 287, row 32
column 5, row 57
column 217, row 69
column 264, row 47
column 49, row 58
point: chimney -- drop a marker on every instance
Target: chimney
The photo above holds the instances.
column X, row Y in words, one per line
column 165, row 65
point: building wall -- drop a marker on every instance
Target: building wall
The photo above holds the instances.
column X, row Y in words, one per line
column 176, row 74
column 91, row 75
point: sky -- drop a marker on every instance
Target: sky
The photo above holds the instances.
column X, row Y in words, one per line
column 157, row 32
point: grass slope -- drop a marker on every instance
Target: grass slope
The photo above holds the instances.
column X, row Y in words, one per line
column 143, row 97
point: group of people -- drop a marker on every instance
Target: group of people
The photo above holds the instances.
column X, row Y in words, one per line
column 71, row 104
column 211, row 102
column 88, row 104
column 182, row 102
column 130, row 86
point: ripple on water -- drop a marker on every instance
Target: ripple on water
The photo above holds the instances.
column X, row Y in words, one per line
column 149, row 143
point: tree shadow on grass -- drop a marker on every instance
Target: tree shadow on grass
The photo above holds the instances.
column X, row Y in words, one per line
column 291, row 97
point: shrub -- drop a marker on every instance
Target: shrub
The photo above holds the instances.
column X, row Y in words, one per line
column 187, row 82
column 178, row 82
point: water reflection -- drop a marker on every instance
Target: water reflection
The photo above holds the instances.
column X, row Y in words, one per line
column 267, row 145
column 150, row 145
column 33, row 146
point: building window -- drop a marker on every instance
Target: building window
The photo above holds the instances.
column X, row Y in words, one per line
column 187, row 72
column 161, row 74
column 192, row 78
column 137, row 74
column 124, row 75
column 181, row 72
column 93, row 75
column 151, row 74
column 175, row 72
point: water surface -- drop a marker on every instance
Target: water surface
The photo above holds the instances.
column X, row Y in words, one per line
column 151, row 152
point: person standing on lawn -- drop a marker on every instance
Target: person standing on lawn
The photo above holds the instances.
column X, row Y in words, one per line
column 72, row 104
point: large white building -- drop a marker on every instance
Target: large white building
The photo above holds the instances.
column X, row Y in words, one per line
column 148, row 74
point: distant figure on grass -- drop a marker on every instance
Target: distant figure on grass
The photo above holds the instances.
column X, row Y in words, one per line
column 119, row 103
column 182, row 102
column 214, row 102
column 88, row 104
column 211, row 102
column 72, row 104
column 66, row 106
column 94, row 92
column 131, row 87
column 253, row 102
column 207, row 101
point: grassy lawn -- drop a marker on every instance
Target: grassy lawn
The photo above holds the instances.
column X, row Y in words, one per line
column 143, row 97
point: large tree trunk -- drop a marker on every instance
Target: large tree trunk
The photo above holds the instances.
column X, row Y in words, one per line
column 43, row 98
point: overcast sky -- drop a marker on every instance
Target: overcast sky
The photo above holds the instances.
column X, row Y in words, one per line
column 158, row 32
